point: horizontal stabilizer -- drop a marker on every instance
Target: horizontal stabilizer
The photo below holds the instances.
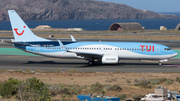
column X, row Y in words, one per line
column 16, row 43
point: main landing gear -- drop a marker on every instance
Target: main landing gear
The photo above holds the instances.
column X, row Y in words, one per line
column 91, row 62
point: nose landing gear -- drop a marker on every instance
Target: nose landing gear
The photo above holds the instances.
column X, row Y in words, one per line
column 162, row 61
column 159, row 63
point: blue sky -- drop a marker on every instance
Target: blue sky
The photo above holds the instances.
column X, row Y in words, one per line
column 152, row 5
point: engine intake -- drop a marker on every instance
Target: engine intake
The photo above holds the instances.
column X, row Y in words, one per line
column 110, row 59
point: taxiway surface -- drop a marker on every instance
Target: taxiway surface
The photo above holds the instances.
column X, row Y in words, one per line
column 50, row 64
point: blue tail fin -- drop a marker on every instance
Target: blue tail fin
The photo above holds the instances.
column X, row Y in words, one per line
column 21, row 31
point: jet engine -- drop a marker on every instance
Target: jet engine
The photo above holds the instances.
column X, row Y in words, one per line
column 110, row 59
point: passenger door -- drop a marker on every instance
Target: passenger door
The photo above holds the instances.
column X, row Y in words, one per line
column 157, row 50
column 37, row 48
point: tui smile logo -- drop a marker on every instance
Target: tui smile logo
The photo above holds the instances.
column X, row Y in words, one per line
column 15, row 29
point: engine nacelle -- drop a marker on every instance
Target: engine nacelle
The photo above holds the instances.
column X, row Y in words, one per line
column 110, row 59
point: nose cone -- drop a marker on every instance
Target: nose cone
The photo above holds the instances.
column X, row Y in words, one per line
column 174, row 53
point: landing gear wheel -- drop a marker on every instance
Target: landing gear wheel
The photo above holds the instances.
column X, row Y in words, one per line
column 90, row 63
column 159, row 63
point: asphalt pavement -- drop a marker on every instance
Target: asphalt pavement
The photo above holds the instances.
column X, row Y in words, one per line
column 13, row 62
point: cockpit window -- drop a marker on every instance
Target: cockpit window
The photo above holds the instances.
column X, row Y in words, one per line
column 167, row 49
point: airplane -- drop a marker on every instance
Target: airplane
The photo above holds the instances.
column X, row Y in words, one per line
column 106, row 52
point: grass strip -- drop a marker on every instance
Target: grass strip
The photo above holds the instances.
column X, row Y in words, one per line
column 178, row 56
column 14, row 51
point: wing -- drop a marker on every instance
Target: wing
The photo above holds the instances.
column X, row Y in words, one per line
column 88, row 55
column 85, row 55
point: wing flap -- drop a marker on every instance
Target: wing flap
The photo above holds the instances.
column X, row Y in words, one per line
column 88, row 55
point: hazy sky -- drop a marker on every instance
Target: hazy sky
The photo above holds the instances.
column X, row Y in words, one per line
column 153, row 5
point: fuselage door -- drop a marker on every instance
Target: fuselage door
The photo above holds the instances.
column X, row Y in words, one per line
column 100, row 49
column 157, row 49
column 104, row 49
column 37, row 48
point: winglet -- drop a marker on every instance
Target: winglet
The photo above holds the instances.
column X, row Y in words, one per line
column 73, row 39
column 62, row 46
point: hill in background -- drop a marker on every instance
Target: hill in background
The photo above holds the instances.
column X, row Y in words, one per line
column 74, row 10
column 171, row 13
